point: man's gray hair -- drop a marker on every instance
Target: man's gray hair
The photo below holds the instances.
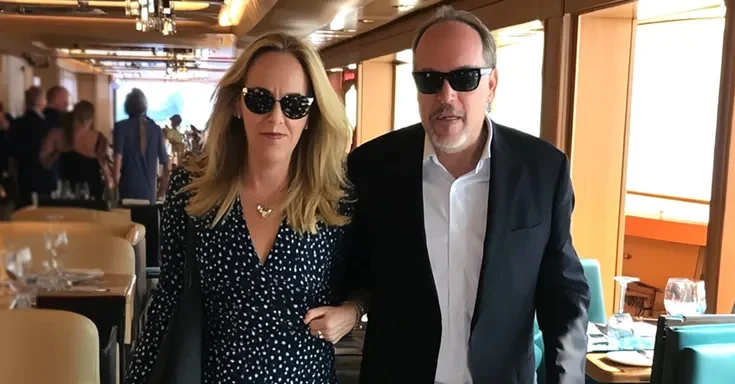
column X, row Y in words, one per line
column 446, row 14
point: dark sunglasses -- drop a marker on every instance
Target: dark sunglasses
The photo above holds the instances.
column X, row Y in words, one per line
column 461, row 80
column 261, row 101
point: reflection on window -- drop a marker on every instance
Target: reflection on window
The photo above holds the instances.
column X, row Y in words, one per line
column 405, row 103
column 674, row 115
column 351, row 105
column 191, row 100
column 517, row 102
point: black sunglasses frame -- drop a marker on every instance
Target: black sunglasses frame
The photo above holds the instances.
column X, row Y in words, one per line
column 451, row 77
column 284, row 108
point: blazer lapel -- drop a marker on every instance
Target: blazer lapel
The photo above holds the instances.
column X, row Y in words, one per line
column 413, row 177
column 505, row 173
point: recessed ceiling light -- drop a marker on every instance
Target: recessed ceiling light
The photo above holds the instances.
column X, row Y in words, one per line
column 366, row 21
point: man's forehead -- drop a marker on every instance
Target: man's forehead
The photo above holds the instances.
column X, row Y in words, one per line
column 447, row 46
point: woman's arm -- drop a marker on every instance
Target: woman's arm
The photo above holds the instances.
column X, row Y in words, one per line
column 165, row 297
column 52, row 148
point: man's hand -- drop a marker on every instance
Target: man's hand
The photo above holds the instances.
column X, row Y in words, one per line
column 331, row 323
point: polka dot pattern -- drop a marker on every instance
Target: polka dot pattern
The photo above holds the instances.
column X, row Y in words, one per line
column 254, row 329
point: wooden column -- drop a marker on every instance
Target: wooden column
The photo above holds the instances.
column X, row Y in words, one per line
column 719, row 269
column 599, row 138
column 560, row 44
column 375, row 82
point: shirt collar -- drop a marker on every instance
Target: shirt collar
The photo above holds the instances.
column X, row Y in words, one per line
column 430, row 152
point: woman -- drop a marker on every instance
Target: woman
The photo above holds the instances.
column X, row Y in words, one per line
column 80, row 150
column 139, row 150
column 266, row 202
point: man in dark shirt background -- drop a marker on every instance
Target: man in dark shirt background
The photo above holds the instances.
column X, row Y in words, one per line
column 26, row 136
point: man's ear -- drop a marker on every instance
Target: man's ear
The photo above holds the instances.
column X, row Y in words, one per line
column 492, row 84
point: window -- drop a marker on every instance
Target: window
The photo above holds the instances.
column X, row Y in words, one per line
column 405, row 103
column 351, row 105
column 517, row 102
column 675, row 93
column 191, row 100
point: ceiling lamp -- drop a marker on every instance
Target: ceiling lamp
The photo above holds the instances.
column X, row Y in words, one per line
column 152, row 15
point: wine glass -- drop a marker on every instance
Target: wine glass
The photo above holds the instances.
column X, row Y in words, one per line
column 620, row 324
column 701, row 297
column 680, row 297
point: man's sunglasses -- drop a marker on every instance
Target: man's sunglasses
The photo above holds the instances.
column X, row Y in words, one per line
column 261, row 101
column 461, row 80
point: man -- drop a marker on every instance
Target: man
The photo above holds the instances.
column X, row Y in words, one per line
column 462, row 232
column 26, row 137
column 57, row 98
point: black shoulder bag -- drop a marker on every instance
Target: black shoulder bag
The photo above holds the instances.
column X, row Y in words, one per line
column 179, row 358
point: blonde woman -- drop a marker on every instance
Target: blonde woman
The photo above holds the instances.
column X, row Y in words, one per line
column 268, row 204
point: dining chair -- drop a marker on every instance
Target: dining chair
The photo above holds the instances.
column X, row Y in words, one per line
column 48, row 346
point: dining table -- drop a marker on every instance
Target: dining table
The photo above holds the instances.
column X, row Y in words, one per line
column 603, row 370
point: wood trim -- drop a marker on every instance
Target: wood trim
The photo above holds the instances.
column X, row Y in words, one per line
column 560, row 47
column 720, row 260
column 682, row 232
column 668, row 197
column 586, row 6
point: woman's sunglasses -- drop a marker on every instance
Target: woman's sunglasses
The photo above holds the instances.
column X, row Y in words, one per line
column 461, row 80
column 261, row 101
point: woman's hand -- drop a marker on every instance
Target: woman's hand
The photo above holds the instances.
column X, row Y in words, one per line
column 331, row 323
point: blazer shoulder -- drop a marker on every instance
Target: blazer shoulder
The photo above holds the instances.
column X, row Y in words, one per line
column 529, row 146
column 387, row 147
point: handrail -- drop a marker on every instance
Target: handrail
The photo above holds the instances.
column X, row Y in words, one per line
column 668, row 197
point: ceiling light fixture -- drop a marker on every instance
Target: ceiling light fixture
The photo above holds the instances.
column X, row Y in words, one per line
column 152, row 15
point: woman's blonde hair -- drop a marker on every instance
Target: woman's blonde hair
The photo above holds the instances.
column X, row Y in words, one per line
column 317, row 179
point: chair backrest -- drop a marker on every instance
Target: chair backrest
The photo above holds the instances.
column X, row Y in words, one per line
column 32, row 213
column 109, row 253
column 597, row 301
column 692, row 349
column 47, row 346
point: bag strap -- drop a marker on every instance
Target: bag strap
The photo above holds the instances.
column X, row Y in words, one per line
column 190, row 260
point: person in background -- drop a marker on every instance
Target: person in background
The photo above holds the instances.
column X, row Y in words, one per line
column 269, row 215
column 139, row 148
column 26, row 137
column 81, row 151
column 57, row 105
column 6, row 182
column 465, row 224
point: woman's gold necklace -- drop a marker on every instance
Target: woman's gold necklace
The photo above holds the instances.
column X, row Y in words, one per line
column 264, row 210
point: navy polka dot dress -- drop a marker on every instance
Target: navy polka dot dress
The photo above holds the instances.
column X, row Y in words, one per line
column 254, row 329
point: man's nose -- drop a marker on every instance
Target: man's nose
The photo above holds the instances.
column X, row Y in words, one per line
column 446, row 94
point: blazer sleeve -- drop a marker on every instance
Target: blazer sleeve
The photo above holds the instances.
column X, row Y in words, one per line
column 562, row 293
column 165, row 297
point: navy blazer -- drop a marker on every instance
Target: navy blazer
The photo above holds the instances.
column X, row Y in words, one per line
column 529, row 265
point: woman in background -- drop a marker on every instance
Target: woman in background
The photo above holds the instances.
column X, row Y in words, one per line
column 139, row 150
column 266, row 201
column 80, row 150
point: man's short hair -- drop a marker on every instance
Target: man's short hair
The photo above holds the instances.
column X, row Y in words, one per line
column 32, row 95
column 446, row 14
column 54, row 92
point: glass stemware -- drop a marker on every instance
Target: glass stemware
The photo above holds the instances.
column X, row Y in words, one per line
column 620, row 324
column 701, row 297
column 680, row 297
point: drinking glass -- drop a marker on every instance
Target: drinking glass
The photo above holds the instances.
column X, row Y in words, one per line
column 680, row 297
column 701, row 297
column 55, row 242
column 620, row 324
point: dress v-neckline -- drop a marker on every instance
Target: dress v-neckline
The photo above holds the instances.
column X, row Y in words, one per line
column 251, row 244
